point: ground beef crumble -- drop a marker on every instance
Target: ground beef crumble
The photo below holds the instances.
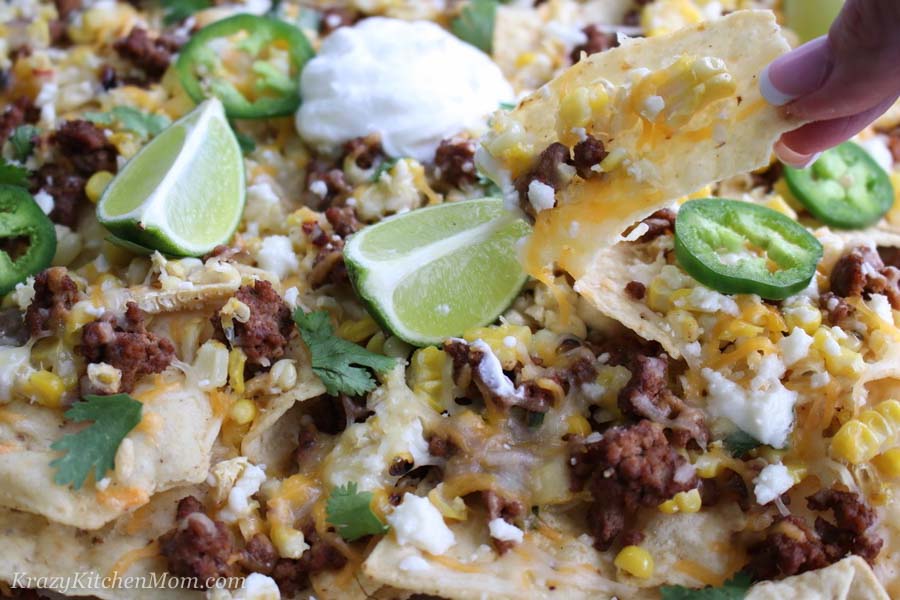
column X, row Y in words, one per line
column 150, row 54
column 597, row 41
column 454, row 163
column 328, row 265
column 791, row 547
column 86, row 146
column 54, row 295
column 630, row 467
column 861, row 272
column 647, row 395
column 198, row 546
column 126, row 345
column 266, row 334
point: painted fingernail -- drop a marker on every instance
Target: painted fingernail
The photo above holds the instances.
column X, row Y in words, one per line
column 810, row 160
column 793, row 158
column 797, row 73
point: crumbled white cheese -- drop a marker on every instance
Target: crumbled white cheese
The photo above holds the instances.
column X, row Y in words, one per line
column 878, row 149
column 491, row 372
column 264, row 208
column 276, row 255
column 510, row 341
column 570, row 35
column 765, row 411
column 706, row 300
column 413, row 563
column 418, row 523
column 820, row 379
column 653, row 105
column 881, row 306
column 413, row 83
column 319, row 188
column 505, row 532
column 635, row 234
column 244, row 488
column 44, row 200
column 256, row 586
column 772, row 482
column 541, row 196
column 292, row 297
column 15, row 363
column 795, row 346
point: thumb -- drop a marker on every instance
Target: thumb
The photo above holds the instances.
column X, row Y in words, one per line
column 852, row 70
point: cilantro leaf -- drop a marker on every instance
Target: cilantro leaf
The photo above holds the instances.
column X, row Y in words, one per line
column 11, row 174
column 733, row 589
column 475, row 24
column 507, row 105
column 22, row 141
column 143, row 124
column 384, row 167
column 740, row 442
column 177, row 11
column 338, row 363
column 95, row 446
column 351, row 513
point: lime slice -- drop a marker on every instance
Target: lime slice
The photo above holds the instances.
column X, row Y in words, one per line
column 433, row 273
column 183, row 193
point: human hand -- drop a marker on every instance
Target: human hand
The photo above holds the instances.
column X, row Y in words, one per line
column 840, row 82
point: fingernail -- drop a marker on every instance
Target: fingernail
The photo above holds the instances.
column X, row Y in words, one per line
column 797, row 73
column 795, row 159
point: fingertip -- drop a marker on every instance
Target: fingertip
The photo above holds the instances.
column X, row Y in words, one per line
column 790, row 157
column 772, row 94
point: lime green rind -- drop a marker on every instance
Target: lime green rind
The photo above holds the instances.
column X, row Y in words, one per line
column 432, row 274
column 169, row 196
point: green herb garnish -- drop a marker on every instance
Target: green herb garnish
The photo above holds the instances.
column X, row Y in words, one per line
column 95, row 446
column 341, row 365
column 145, row 125
column 733, row 589
column 475, row 24
column 22, row 141
column 350, row 512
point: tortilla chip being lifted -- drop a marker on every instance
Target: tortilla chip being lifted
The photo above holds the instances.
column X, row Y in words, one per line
column 674, row 113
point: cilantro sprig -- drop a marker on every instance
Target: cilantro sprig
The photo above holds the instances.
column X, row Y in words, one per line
column 94, row 447
column 475, row 24
column 384, row 166
column 733, row 589
column 341, row 365
column 740, row 442
column 350, row 512
column 145, row 125
column 22, row 141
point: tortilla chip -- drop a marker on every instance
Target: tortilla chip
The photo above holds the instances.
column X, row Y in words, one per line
column 540, row 567
column 731, row 135
column 35, row 547
column 171, row 447
column 849, row 579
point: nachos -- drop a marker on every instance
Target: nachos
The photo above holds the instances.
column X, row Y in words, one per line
column 266, row 330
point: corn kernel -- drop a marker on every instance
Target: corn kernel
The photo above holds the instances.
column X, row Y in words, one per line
column 578, row 425
column 376, row 343
column 44, row 387
column 357, row 331
column 855, row 442
column 808, row 318
column 524, row 59
column 426, row 375
column 289, row 542
column 711, row 463
column 97, row 184
column 283, row 374
column 888, row 462
column 243, row 411
column 686, row 502
column 236, row 361
column 504, row 341
column 635, row 561
column 575, row 109
column 777, row 203
column 683, row 324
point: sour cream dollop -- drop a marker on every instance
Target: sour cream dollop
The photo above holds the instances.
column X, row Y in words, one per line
column 411, row 82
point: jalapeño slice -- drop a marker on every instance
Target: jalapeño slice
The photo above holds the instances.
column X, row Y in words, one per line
column 845, row 188
column 742, row 248
column 27, row 237
column 252, row 64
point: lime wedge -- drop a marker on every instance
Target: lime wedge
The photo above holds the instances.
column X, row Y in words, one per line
column 183, row 193
column 433, row 273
